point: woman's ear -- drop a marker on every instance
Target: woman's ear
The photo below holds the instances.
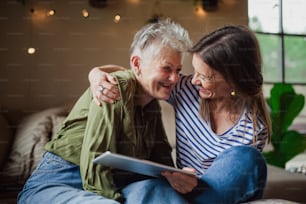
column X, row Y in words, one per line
column 135, row 61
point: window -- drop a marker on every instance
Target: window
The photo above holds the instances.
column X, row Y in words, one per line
column 280, row 27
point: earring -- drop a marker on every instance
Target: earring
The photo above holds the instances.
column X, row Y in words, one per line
column 233, row 93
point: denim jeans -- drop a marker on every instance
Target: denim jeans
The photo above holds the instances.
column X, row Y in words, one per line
column 237, row 175
column 58, row 181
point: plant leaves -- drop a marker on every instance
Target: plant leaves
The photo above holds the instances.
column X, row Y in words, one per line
column 292, row 144
column 285, row 105
column 275, row 158
column 292, row 105
column 277, row 90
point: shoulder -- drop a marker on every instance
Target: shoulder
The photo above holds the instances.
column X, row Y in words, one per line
column 260, row 126
column 124, row 77
column 184, row 85
column 127, row 83
column 183, row 88
column 184, row 81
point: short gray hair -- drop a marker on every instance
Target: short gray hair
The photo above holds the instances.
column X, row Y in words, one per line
column 166, row 31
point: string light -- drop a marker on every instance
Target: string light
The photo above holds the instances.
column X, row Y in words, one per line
column 51, row 12
column 117, row 18
column 199, row 11
column 31, row 50
column 85, row 13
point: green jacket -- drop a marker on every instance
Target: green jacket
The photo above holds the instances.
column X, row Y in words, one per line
column 123, row 127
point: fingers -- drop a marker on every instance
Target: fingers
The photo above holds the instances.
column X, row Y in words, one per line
column 105, row 89
column 106, row 95
column 192, row 170
column 181, row 182
column 110, row 88
column 111, row 79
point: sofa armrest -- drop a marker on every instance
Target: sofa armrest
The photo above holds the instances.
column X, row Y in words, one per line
column 285, row 185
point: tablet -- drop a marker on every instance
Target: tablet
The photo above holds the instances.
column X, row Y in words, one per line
column 135, row 165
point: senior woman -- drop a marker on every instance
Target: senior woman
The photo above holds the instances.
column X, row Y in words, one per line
column 132, row 127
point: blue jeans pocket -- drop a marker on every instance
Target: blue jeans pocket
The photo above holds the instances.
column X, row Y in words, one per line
column 53, row 169
column 52, row 163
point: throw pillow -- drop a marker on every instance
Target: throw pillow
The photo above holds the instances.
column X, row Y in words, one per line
column 28, row 147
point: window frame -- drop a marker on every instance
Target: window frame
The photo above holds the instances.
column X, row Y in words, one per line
column 281, row 35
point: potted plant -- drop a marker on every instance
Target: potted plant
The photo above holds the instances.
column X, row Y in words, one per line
column 284, row 105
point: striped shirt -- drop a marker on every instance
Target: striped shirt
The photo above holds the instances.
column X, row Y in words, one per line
column 197, row 145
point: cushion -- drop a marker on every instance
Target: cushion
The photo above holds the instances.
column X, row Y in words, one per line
column 5, row 139
column 28, row 147
column 272, row 201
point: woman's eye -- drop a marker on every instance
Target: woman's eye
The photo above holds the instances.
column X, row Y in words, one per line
column 205, row 78
column 167, row 69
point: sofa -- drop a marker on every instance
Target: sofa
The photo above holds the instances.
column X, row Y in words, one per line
column 23, row 137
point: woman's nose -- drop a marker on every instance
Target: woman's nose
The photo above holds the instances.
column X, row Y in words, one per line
column 194, row 80
column 174, row 77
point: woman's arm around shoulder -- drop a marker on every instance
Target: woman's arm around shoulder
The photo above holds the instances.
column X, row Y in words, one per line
column 103, row 85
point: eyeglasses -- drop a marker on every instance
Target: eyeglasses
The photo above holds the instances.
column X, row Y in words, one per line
column 204, row 78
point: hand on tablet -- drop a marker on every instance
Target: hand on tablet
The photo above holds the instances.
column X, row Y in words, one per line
column 182, row 183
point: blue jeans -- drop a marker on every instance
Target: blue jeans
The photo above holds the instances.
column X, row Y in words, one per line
column 237, row 175
column 58, row 181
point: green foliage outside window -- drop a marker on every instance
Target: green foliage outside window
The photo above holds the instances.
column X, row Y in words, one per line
column 295, row 59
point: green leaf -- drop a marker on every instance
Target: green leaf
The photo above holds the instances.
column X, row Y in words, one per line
column 285, row 105
column 277, row 90
column 291, row 106
column 292, row 144
column 275, row 158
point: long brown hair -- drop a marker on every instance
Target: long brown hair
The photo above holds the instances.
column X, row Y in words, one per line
column 233, row 51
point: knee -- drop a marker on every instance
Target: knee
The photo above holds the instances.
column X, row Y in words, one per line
column 245, row 159
column 23, row 197
column 159, row 187
column 145, row 186
column 159, row 184
column 247, row 154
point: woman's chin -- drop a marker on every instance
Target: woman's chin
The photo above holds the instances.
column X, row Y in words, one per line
column 206, row 94
column 163, row 95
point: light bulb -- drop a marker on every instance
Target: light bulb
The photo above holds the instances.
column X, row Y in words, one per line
column 51, row 12
column 199, row 11
column 31, row 50
column 85, row 13
column 117, row 18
